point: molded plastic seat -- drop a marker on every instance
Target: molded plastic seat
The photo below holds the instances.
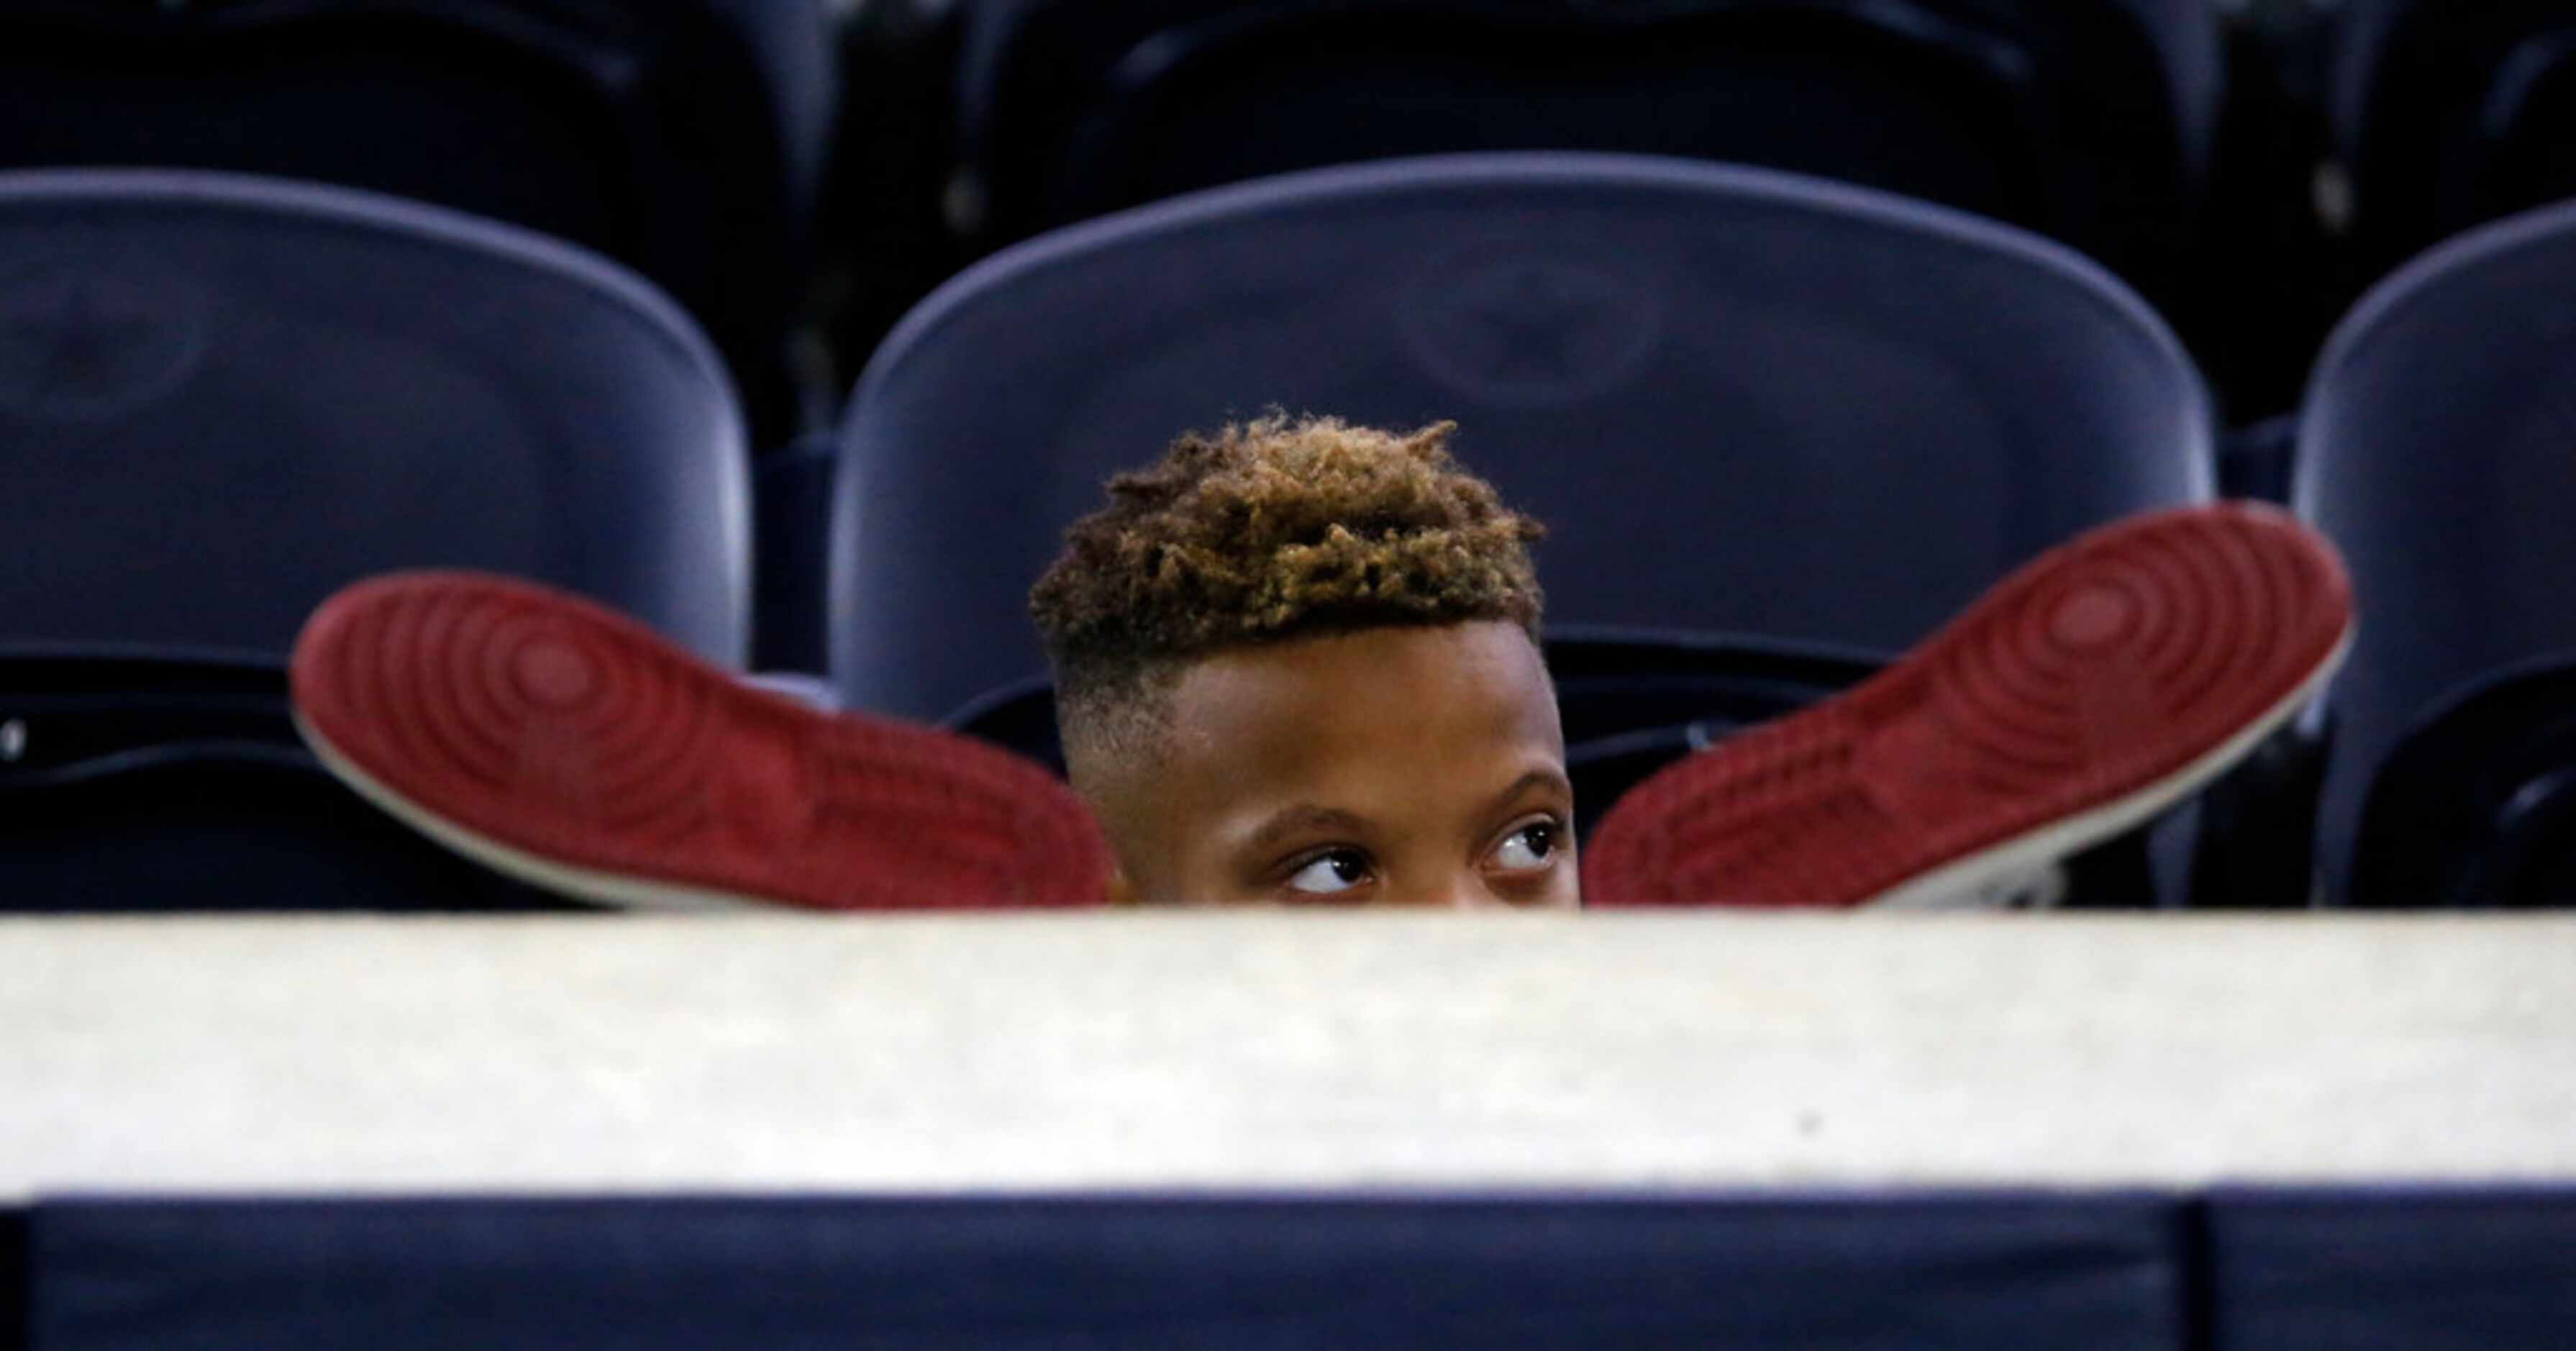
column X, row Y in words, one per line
column 1745, row 402
column 685, row 138
column 2449, row 115
column 2477, row 805
column 136, row 782
column 2437, row 450
column 2089, row 120
column 223, row 398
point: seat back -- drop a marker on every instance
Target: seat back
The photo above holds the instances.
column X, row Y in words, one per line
column 137, row 782
column 2086, row 119
column 1206, row 1267
column 2450, row 115
column 2436, row 450
column 223, row 398
column 2476, row 806
column 685, row 138
column 1744, row 402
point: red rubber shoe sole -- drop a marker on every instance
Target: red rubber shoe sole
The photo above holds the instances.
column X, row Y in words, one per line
column 2080, row 697
column 576, row 749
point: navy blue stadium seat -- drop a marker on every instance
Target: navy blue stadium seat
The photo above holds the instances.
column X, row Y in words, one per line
column 2393, row 1269
column 686, row 138
column 2477, row 804
column 2090, row 120
column 139, row 783
column 13, row 1276
column 223, row 398
column 2436, row 449
column 1746, row 402
column 1903, row 1273
column 2450, row 114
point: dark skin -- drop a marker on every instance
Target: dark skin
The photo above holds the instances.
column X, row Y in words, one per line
column 1401, row 766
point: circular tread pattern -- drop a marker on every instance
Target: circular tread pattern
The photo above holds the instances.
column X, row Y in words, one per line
column 556, row 739
column 2117, row 670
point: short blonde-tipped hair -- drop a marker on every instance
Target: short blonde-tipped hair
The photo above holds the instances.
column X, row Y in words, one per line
column 1268, row 531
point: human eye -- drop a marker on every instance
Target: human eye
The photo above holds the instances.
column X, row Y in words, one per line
column 1330, row 873
column 1530, row 847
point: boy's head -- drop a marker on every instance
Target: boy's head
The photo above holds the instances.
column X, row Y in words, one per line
column 1297, row 661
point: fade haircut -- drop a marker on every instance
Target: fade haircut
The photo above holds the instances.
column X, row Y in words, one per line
column 1266, row 532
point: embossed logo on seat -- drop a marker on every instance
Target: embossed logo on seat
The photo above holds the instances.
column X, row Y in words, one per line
column 1511, row 323
column 80, row 341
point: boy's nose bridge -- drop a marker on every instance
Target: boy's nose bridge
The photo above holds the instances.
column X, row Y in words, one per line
column 1462, row 890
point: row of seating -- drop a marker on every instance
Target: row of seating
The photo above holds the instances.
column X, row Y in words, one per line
column 2356, row 1268
column 1751, row 405
column 695, row 139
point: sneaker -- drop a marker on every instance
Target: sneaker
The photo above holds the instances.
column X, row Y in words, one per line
column 2078, row 699
column 577, row 750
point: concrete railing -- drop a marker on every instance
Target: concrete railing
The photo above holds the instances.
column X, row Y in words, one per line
column 1279, row 1051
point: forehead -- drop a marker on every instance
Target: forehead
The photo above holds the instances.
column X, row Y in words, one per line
column 1367, row 714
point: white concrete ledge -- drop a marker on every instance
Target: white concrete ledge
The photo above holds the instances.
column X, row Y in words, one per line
column 1280, row 1051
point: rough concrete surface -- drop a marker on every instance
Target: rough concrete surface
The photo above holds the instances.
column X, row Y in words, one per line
column 1699, row 1051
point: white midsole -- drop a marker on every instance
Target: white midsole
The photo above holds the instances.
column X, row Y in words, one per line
column 1956, row 885
column 588, row 885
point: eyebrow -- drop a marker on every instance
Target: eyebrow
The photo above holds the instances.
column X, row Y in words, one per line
column 1547, row 777
column 1302, row 819
column 1307, row 818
